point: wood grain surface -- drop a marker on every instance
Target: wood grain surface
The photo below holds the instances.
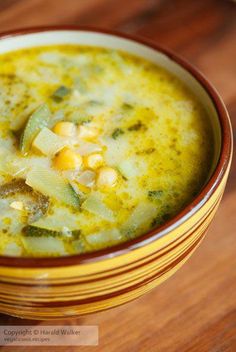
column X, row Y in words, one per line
column 196, row 309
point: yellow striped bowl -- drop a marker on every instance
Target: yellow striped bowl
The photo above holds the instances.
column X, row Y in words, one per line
column 51, row 288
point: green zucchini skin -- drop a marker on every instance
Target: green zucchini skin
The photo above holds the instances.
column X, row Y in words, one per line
column 18, row 186
column 38, row 120
column 13, row 187
column 53, row 185
column 35, row 231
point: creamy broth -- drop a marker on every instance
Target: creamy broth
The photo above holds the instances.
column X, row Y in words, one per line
column 96, row 147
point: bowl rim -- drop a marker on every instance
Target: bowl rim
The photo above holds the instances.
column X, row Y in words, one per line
column 191, row 208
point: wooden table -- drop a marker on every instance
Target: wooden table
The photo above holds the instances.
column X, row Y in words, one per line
column 196, row 309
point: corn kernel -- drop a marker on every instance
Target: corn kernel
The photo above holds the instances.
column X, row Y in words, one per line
column 17, row 205
column 107, row 177
column 85, row 132
column 65, row 129
column 94, row 161
column 67, row 159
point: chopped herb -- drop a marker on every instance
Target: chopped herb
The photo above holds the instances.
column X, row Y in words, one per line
column 146, row 151
column 127, row 106
column 166, row 217
column 8, row 76
column 60, row 93
column 117, row 132
column 150, row 150
column 124, row 178
column 136, row 127
column 154, row 195
column 160, row 219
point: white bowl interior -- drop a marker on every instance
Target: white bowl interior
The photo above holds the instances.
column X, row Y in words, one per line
column 83, row 37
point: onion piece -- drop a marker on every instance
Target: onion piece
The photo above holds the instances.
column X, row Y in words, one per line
column 132, row 167
column 60, row 218
column 99, row 239
column 128, row 168
column 94, row 204
column 142, row 215
column 88, row 148
column 87, row 178
column 12, row 249
column 44, row 245
column 53, row 185
column 48, row 142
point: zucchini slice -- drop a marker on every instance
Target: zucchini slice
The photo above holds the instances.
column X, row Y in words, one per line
column 38, row 120
column 94, row 204
column 43, row 246
column 52, row 185
column 100, row 239
column 48, row 143
column 40, row 202
column 35, row 231
column 13, row 187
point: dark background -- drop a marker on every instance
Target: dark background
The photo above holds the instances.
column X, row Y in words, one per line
column 196, row 309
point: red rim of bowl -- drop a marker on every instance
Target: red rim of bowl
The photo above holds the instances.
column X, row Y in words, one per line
column 186, row 212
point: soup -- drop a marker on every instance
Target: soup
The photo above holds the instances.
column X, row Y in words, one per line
column 97, row 147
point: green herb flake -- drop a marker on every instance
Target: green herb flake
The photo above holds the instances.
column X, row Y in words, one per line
column 13, row 187
column 160, row 219
column 117, row 132
column 155, row 195
column 150, row 150
column 60, row 93
column 39, row 205
column 146, row 151
column 136, row 127
column 127, row 106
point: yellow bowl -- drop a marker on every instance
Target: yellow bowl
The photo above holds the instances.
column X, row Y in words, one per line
column 52, row 288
